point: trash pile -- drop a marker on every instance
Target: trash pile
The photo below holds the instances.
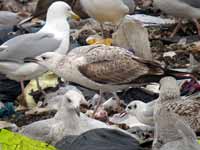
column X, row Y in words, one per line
column 99, row 75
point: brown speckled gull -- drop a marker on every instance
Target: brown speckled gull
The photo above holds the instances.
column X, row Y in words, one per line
column 187, row 109
column 101, row 67
column 104, row 68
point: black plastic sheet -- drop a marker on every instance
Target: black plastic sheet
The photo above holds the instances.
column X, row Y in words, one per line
column 99, row 139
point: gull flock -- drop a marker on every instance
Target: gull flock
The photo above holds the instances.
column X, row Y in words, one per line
column 107, row 69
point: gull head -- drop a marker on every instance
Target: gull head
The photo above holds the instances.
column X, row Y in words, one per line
column 49, row 59
column 134, row 106
column 169, row 89
column 70, row 104
column 60, row 10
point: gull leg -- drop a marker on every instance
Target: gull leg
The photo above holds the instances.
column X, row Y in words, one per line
column 98, row 103
column 176, row 29
column 197, row 25
column 102, row 30
column 22, row 99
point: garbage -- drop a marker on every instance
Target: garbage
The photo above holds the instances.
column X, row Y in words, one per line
column 7, row 110
column 14, row 141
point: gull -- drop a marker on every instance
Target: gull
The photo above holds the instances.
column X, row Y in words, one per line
column 105, row 11
column 169, row 98
column 187, row 109
column 102, row 68
column 173, row 133
column 142, row 111
column 189, row 9
column 8, row 18
column 54, row 36
column 67, row 121
column 54, row 129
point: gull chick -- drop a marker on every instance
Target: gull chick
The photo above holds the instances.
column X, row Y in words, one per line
column 105, row 10
column 54, row 36
column 189, row 9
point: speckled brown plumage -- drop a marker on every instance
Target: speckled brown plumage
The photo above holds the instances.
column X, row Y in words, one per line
column 101, row 67
column 170, row 99
column 114, row 65
column 189, row 110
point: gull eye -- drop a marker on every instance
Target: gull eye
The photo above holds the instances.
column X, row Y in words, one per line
column 68, row 9
column 69, row 100
column 135, row 106
column 129, row 107
column 44, row 58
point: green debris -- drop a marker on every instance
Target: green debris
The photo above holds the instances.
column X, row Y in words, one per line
column 14, row 141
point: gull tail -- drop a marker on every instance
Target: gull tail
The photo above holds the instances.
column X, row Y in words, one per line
column 180, row 73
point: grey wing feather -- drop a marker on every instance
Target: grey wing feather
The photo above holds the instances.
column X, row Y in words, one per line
column 150, row 109
column 37, row 130
column 115, row 65
column 193, row 3
column 29, row 45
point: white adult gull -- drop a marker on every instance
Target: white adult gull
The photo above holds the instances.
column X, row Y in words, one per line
column 54, row 36
column 105, row 10
column 142, row 111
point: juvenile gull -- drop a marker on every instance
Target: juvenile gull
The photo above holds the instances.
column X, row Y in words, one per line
column 187, row 109
column 67, row 121
column 52, row 130
column 54, row 36
column 105, row 10
column 189, row 9
column 172, row 133
column 166, row 128
column 103, row 68
column 169, row 98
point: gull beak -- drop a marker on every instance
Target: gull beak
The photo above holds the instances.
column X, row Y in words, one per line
column 123, row 114
column 77, row 110
column 29, row 60
column 74, row 16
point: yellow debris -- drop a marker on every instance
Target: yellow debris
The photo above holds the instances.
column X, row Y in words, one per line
column 92, row 40
column 49, row 79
